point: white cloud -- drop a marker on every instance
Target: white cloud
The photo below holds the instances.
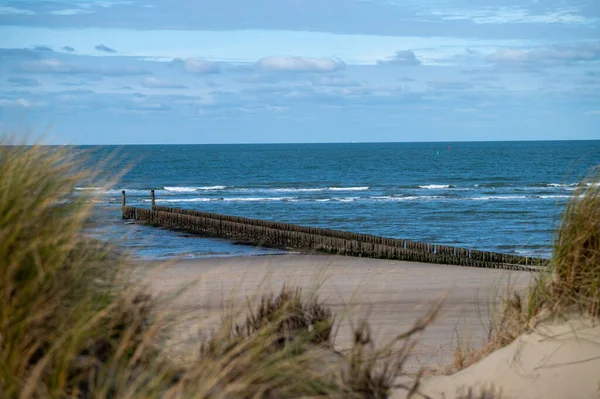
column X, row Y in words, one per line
column 70, row 11
column 153, row 82
column 299, row 64
column 50, row 65
column 513, row 15
column 198, row 65
column 14, row 11
column 56, row 66
column 595, row 112
column 587, row 51
column 104, row 4
column 404, row 57
column 15, row 103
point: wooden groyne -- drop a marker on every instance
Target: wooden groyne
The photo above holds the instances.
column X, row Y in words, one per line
column 290, row 236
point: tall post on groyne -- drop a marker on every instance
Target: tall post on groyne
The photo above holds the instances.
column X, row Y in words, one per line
column 123, row 203
column 153, row 198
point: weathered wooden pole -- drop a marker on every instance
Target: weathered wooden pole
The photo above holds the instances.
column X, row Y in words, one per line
column 153, row 198
column 123, row 203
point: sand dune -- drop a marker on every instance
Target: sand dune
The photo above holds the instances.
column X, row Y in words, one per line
column 557, row 361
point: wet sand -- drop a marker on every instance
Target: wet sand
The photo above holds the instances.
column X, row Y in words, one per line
column 392, row 293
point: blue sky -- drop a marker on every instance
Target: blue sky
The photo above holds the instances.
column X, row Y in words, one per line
column 233, row 71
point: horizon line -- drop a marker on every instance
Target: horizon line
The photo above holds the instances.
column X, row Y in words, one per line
column 325, row 142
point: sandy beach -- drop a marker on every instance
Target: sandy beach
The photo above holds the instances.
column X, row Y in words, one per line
column 392, row 293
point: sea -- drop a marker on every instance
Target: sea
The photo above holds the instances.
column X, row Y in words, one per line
column 497, row 196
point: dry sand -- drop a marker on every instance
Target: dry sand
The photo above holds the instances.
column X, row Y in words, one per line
column 394, row 294
column 556, row 361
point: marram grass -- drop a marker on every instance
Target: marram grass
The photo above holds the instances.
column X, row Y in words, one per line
column 576, row 259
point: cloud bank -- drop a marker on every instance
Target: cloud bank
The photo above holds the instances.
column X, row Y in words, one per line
column 299, row 64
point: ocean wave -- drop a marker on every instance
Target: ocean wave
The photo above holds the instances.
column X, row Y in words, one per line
column 499, row 197
column 556, row 186
column 436, row 186
column 553, row 196
column 345, row 199
column 88, row 188
column 219, row 199
column 301, row 189
column 161, row 200
column 559, row 185
column 194, row 189
column 260, row 199
column 295, row 190
column 398, row 199
column 364, row 188
column 516, row 197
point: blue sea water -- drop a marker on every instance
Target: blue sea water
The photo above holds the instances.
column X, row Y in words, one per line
column 498, row 196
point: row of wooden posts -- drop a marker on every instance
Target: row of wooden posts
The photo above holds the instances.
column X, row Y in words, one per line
column 285, row 235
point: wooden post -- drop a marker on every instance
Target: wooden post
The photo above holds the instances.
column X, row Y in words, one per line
column 153, row 198
column 123, row 203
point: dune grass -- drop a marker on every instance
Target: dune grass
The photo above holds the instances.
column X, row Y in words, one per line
column 570, row 286
column 73, row 322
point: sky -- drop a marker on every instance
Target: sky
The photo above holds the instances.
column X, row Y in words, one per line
column 277, row 71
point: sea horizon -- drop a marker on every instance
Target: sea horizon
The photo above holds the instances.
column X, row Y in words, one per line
column 315, row 143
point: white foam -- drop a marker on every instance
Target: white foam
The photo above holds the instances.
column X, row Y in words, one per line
column 302, row 189
column 88, row 188
column 296, row 190
column 182, row 200
column 345, row 199
column 181, row 189
column 259, row 199
column 561, row 184
column 193, row 189
column 408, row 198
column 364, row 188
column 554, row 196
column 435, row 186
column 499, row 197
column 210, row 188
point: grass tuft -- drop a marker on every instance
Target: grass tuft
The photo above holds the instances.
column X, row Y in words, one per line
column 65, row 330
column 575, row 283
